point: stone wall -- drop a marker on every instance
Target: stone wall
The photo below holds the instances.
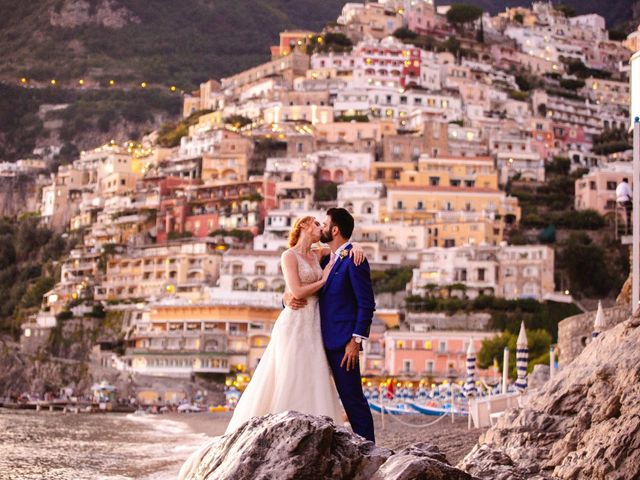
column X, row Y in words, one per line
column 574, row 333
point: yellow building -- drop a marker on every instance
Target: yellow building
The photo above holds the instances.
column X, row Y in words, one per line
column 229, row 160
column 181, row 269
column 457, row 197
column 207, row 122
column 180, row 340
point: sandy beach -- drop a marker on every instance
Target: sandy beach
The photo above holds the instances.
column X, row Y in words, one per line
column 453, row 439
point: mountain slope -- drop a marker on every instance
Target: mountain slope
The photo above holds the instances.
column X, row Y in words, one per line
column 164, row 41
column 615, row 12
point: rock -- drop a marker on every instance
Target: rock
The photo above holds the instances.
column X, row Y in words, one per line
column 286, row 446
column 293, row 445
column 419, row 461
column 583, row 424
column 539, row 376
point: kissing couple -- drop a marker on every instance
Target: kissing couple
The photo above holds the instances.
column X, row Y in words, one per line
column 311, row 362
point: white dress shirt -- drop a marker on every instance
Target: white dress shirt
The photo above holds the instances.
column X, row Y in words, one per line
column 623, row 193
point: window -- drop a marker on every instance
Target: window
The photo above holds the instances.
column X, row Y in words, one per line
column 429, row 366
column 427, row 345
column 420, row 206
column 481, row 274
column 611, row 185
column 449, row 242
column 399, row 205
column 407, row 365
column 434, row 181
column 443, row 347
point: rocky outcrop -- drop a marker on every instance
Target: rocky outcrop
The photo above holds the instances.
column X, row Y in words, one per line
column 419, row 461
column 76, row 13
column 293, row 445
column 19, row 194
column 583, row 424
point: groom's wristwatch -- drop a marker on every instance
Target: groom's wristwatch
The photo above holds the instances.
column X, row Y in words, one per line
column 358, row 339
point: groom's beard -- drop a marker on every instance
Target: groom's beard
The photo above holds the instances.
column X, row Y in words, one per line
column 326, row 237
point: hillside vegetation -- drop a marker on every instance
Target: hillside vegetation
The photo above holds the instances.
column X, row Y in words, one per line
column 164, row 41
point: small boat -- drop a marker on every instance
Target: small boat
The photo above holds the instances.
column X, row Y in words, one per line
column 397, row 409
column 429, row 409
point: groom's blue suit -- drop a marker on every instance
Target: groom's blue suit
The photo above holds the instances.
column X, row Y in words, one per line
column 346, row 308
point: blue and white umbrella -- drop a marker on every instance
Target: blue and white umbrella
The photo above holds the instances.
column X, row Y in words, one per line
column 470, row 389
column 522, row 359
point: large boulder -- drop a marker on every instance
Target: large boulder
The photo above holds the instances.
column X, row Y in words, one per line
column 293, row 445
column 420, row 461
column 583, row 424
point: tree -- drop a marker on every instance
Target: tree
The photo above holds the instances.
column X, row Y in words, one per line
column 585, row 265
column 538, row 344
column 403, row 33
column 566, row 10
column 460, row 14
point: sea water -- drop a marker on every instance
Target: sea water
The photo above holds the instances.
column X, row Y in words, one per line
column 110, row 446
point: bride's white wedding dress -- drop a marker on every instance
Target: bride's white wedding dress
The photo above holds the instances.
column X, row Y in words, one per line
column 293, row 373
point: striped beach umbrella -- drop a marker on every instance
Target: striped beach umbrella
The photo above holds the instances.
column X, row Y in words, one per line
column 598, row 325
column 470, row 389
column 522, row 359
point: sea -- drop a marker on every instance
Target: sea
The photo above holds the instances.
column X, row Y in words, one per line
column 110, row 446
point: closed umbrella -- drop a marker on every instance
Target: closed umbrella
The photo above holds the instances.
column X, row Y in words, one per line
column 522, row 359
column 470, row 389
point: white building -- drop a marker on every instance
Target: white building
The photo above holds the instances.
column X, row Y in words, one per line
column 509, row 271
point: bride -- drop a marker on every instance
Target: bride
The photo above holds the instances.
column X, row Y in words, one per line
column 293, row 373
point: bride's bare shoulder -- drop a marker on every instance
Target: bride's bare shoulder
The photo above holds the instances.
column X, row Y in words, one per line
column 287, row 254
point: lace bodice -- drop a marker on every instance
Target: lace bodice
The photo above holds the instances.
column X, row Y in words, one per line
column 308, row 272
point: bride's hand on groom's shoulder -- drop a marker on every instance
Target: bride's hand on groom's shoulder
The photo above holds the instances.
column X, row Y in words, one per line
column 357, row 254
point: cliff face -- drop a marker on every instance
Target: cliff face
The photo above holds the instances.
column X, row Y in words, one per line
column 585, row 424
column 18, row 195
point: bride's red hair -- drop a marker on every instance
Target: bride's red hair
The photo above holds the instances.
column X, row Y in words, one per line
column 299, row 224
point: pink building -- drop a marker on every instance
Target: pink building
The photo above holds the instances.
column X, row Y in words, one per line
column 423, row 19
column 597, row 189
column 440, row 354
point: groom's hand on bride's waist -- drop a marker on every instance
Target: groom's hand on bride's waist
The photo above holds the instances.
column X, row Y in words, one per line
column 292, row 302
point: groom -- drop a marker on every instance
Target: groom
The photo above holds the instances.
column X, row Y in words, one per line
column 346, row 311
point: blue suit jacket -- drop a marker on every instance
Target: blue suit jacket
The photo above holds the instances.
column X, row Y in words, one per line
column 346, row 302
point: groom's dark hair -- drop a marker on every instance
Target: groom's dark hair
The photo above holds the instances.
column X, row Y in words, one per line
column 342, row 219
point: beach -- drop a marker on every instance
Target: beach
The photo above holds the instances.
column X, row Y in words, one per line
column 453, row 439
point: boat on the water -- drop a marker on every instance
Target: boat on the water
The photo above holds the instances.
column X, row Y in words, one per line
column 435, row 410
column 397, row 409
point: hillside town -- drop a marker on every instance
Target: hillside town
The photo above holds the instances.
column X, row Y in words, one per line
column 418, row 124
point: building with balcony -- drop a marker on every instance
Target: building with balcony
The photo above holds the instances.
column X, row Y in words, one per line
column 180, row 340
column 509, row 271
column 198, row 210
column 375, row 20
column 597, row 189
column 181, row 269
column 362, row 199
column 440, row 355
column 294, row 179
column 526, row 271
column 251, row 271
column 288, row 68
